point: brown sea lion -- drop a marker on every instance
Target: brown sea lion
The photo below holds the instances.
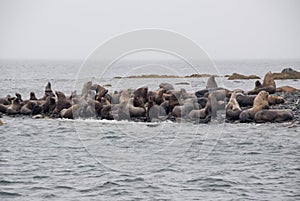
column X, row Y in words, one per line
column 140, row 96
column 286, row 89
column 211, row 83
column 48, row 92
column 61, row 103
column 273, row 115
column 71, row 113
column 6, row 100
column 260, row 102
column 100, row 91
column 106, row 113
column 245, row 100
column 3, row 108
column 32, row 96
column 49, row 105
column 232, row 108
column 136, row 112
column 273, row 100
column 28, row 108
column 268, row 85
column 15, row 107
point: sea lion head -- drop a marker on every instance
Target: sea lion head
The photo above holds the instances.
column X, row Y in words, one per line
column 60, row 95
column 268, row 79
column 32, row 96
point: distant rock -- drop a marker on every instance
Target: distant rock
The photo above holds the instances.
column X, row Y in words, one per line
column 287, row 73
column 1, row 123
column 236, row 76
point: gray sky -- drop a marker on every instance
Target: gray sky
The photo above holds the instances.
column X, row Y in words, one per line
column 226, row 29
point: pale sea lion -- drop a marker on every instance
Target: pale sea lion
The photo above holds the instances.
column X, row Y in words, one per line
column 260, row 102
column 273, row 115
column 211, row 83
column 233, row 109
column 86, row 87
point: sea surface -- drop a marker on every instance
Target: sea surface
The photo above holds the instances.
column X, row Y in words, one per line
column 57, row 159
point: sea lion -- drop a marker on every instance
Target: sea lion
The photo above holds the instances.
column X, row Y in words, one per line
column 268, row 85
column 158, row 96
column 114, row 97
column 217, row 101
column 201, row 93
column 140, row 96
column 32, row 96
column 6, row 100
column 202, row 102
column 71, row 113
column 166, row 86
column 106, row 112
column 273, row 115
column 135, row 112
column 61, row 103
column 184, row 109
column 286, row 89
column 28, row 108
column 260, row 102
column 125, row 95
column 211, row 83
column 232, row 108
column 100, row 91
column 15, row 107
column 86, row 87
column 49, row 105
column 48, row 91
column 273, row 100
column 3, row 108
column 154, row 111
column 245, row 100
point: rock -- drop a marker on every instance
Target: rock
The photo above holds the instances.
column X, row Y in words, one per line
column 1, row 123
column 236, row 76
column 182, row 83
column 287, row 73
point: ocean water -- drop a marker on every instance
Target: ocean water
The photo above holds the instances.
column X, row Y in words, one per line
column 57, row 159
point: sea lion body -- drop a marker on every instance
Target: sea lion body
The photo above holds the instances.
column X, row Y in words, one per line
column 260, row 102
column 268, row 85
column 233, row 109
column 273, row 115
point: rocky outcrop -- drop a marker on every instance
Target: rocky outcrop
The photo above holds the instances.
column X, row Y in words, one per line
column 287, row 73
column 236, row 76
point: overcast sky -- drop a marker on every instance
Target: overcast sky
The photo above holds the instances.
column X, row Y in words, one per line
column 226, row 29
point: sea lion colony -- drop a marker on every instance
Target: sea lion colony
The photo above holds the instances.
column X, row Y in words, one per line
column 166, row 103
